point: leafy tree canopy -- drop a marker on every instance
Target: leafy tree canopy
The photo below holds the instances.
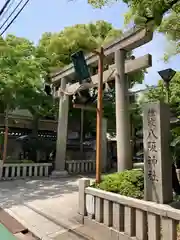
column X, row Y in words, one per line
column 20, row 71
column 22, row 77
column 165, row 20
column 142, row 11
column 159, row 92
column 164, row 14
column 170, row 27
column 25, row 67
column 87, row 37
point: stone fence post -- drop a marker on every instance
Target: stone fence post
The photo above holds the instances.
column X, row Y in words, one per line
column 83, row 183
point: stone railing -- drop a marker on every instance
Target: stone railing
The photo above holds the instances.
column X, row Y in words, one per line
column 23, row 170
column 80, row 166
column 114, row 216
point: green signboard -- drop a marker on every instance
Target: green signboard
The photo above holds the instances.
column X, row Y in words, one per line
column 80, row 66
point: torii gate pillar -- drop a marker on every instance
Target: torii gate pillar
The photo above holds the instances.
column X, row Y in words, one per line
column 124, row 158
column 62, row 130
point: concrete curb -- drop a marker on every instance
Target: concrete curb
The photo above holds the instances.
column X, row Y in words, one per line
column 73, row 229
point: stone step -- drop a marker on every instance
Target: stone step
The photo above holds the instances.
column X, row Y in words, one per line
column 73, row 229
column 21, row 236
column 11, row 223
column 48, row 228
column 41, row 227
column 72, row 236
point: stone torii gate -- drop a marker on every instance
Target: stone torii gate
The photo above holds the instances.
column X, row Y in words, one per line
column 118, row 72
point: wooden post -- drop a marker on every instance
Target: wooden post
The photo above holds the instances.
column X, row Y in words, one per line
column 99, row 116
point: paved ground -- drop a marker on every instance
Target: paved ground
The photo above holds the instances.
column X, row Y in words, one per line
column 47, row 207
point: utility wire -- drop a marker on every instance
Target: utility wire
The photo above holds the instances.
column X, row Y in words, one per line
column 11, row 14
column 14, row 17
column 4, row 13
column 4, row 7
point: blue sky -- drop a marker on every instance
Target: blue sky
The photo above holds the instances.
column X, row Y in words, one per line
column 53, row 15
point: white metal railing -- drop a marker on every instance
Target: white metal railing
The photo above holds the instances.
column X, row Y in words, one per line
column 23, row 170
column 81, row 166
column 130, row 218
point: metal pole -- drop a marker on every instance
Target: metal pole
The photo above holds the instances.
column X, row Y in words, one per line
column 167, row 92
column 99, row 116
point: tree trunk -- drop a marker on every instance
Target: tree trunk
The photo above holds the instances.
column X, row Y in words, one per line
column 35, row 124
column 5, row 135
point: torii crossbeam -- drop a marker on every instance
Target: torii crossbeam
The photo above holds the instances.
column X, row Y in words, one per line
column 118, row 71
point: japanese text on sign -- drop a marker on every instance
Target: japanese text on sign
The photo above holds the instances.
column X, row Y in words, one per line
column 152, row 145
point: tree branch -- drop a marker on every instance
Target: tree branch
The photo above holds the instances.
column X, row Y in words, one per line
column 165, row 8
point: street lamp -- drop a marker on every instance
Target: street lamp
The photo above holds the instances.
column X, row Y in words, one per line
column 167, row 75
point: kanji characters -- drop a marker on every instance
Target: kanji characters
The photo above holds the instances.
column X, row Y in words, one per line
column 152, row 160
column 152, row 176
column 151, row 134
column 152, row 146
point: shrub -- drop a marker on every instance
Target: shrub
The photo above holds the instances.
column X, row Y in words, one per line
column 129, row 183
